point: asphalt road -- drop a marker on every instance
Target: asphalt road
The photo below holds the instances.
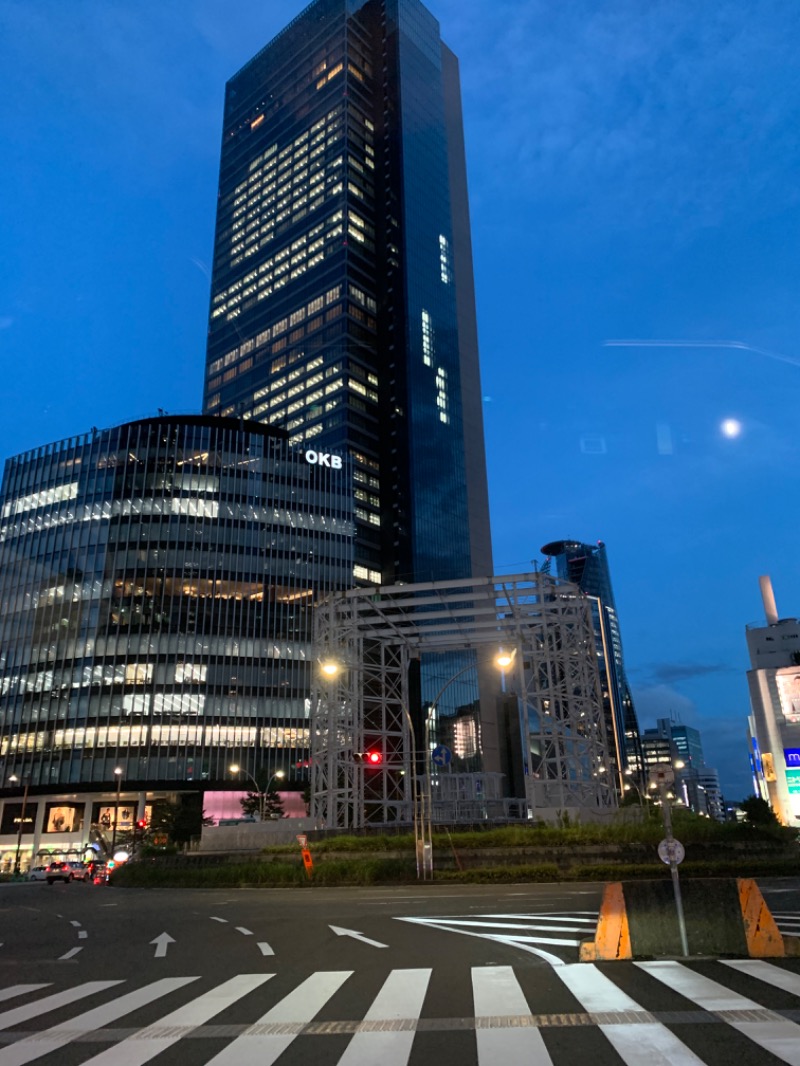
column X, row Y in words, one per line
column 367, row 977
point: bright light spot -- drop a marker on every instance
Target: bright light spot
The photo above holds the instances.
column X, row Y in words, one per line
column 731, row 428
column 330, row 669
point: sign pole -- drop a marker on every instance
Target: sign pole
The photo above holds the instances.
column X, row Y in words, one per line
column 672, row 849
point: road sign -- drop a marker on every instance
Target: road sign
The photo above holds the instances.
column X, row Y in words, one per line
column 302, row 840
column 441, row 756
column 307, row 861
column 661, row 773
column 671, row 851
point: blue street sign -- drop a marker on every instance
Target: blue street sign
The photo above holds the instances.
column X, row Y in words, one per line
column 441, row 756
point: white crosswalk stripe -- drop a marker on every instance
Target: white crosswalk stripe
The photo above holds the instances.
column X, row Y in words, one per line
column 497, row 994
column 254, row 1048
column 778, row 1036
column 389, row 1026
column 640, row 1044
column 33, row 1047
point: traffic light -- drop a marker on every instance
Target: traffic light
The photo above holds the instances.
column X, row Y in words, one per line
column 374, row 758
column 141, row 824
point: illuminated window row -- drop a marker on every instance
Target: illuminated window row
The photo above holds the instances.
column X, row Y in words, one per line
column 43, row 498
column 143, row 506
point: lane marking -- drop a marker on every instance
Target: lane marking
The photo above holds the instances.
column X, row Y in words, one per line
column 778, row 1036
column 149, row 1042
column 39, row 1044
column 223, row 920
column 82, row 935
column 245, row 932
column 640, row 1044
column 69, row 955
column 254, row 1048
column 400, row 998
column 76, row 924
column 265, row 949
column 496, row 993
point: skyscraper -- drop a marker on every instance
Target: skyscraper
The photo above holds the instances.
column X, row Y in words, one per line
column 342, row 303
column 586, row 565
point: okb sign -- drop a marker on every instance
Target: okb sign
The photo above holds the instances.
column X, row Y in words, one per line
column 792, row 757
column 323, row 459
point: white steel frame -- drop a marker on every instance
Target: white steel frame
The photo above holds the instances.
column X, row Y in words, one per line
column 375, row 633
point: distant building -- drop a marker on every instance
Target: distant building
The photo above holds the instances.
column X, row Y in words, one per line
column 586, row 565
column 696, row 784
column 774, row 724
column 157, row 582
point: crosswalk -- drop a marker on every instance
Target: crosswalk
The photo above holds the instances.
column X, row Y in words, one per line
column 554, row 936
column 637, row 1014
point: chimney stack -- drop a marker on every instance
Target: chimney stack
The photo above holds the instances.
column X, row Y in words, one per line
column 768, row 598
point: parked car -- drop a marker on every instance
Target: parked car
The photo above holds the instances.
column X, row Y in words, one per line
column 37, row 873
column 59, row 871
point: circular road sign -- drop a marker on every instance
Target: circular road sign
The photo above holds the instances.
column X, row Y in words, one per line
column 671, row 851
column 441, row 756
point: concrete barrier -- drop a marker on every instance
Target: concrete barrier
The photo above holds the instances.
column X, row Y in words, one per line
column 724, row 916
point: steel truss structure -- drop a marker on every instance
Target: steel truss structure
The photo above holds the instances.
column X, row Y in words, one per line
column 373, row 635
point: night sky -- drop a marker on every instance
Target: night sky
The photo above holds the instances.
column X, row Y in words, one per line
column 633, row 174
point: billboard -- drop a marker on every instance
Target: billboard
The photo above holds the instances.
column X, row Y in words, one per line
column 789, row 692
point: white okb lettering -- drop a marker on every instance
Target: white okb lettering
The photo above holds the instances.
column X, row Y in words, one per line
column 323, row 459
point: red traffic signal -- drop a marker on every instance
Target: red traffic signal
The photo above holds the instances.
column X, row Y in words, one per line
column 374, row 758
column 141, row 823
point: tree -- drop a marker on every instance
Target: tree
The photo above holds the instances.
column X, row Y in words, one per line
column 273, row 804
column 180, row 821
column 758, row 811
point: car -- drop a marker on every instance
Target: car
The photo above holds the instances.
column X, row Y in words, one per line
column 37, row 873
column 59, row 871
column 80, row 871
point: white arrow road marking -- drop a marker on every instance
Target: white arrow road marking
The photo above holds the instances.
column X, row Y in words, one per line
column 245, row 932
column 38, row 1044
column 265, row 949
column 356, row 936
column 70, row 954
column 161, row 944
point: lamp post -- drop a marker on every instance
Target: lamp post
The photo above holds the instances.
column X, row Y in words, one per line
column 261, row 796
column 15, row 780
column 118, row 774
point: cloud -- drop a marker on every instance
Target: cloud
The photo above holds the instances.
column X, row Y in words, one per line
column 658, row 111
column 662, row 701
column 672, row 673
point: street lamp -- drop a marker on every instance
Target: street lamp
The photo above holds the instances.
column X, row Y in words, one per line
column 118, row 774
column 15, row 780
column 261, row 796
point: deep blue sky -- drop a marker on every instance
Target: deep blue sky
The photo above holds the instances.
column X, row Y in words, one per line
column 633, row 172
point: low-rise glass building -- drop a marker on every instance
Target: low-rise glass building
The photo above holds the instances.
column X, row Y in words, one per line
column 156, row 586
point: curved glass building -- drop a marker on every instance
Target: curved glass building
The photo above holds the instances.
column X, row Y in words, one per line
column 156, row 586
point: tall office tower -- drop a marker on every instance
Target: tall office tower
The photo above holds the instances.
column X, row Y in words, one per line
column 774, row 725
column 342, row 303
column 586, row 565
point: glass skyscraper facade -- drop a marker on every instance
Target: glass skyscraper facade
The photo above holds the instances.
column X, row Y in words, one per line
column 342, row 303
column 586, row 565
column 157, row 582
